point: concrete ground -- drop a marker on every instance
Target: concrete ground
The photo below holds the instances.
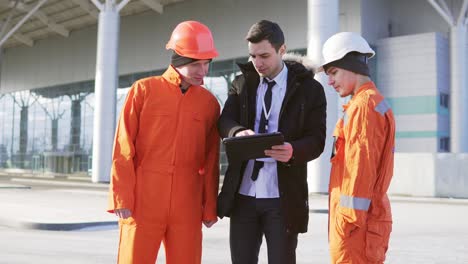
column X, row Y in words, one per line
column 53, row 220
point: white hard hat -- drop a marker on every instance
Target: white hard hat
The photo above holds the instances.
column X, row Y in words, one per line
column 340, row 44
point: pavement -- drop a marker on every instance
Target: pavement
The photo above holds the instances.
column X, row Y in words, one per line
column 51, row 218
column 57, row 202
column 48, row 202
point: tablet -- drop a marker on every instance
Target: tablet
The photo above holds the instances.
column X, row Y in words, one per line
column 251, row 147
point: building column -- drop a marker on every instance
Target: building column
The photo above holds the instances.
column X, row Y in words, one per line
column 459, row 90
column 458, row 68
column 322, row 23
column 23, row 140
column 75, row 126
column 54, row 133
column 106, row 84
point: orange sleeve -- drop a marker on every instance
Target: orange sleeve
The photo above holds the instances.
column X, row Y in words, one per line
column 363, row 132
column 123, row 175
column 211, row 171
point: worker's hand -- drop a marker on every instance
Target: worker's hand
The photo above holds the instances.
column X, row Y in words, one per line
column 123, row 213
column 281, row 153
column 210, row 223
column 247, row 132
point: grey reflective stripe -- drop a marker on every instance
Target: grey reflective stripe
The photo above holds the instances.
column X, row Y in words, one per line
column 345, row 118
column 382, row 107
column 354, row 202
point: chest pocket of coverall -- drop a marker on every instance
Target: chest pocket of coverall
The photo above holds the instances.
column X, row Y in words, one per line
column 154, row 123
column 197, row 118
column 157, row 115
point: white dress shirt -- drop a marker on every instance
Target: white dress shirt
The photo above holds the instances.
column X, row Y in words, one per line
column 266, row 185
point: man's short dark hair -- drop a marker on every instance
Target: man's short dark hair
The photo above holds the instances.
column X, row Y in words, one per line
column 268, row 30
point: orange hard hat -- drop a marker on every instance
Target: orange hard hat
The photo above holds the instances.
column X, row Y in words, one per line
column 192, row 39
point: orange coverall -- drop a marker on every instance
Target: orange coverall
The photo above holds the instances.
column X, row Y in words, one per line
column 360, row 219
column 165, row 169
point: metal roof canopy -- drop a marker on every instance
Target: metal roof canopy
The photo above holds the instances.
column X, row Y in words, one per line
column 126, row 80
column 69, row 89
column 22, row 22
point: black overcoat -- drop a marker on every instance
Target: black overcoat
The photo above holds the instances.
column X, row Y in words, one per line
column 302, row 121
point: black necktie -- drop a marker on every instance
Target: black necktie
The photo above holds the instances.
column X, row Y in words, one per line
column 263, row 126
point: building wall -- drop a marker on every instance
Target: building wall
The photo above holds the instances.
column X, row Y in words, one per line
column 143, row 38
column 58, row 60
column 412, row 74
column 50, row 62
column 412, row 70
column 430, row 175
column 417, row 16
column 375, row 19
column 350, row 15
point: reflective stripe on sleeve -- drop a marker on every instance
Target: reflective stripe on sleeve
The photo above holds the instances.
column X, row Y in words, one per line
column 382, row 107
column 354, row 202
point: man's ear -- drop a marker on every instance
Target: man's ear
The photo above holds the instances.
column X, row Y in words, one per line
column 282, row 50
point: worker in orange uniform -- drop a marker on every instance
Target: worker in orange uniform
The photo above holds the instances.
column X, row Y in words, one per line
column 360, row 219
column 165, row 166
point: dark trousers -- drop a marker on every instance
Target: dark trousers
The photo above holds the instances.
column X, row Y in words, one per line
column 252, row 218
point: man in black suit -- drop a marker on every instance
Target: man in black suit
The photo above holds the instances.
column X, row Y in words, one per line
column 269, row 196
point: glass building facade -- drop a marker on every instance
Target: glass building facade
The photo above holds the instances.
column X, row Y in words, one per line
column 50, row 129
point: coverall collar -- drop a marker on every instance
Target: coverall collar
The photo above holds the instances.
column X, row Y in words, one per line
column 366, row 86
column 173, row 76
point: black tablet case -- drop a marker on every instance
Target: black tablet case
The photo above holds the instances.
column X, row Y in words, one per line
column 251, row 147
